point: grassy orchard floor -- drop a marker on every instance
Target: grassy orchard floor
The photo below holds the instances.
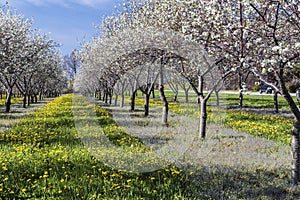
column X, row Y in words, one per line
column 42, row 157
column 227, row 165
column 274, row 127
column 7, row 120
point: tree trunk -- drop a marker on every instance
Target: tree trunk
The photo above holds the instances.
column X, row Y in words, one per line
column 241, row 99
column 203, row 118
column 40, row 96
column 153, row 92
column 276, row 109
column 175, row 97
column 116, row 99
column 186, row 96
column 106, row 97
column 146, row 105
column 8, row 100
column 24, row 101
column 28, row 100
column 103, row 96
column 110, row 98
column 296, row 154
column 165, row 105
column 122, row 100
column 132, row 104
column 217, row 98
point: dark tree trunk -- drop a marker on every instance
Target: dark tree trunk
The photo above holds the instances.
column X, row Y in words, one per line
column 241, row 97
column 132, row 104
column 146, row 105
column 175, row 97
column 203, row 118
column 28, row 100
column 40, row 96
column 153, row 93
column 276, row 108
column 165, row 105
column 24, row 101
column 110, row 98
column 296, row 154
column 106, row 98
column 8, row 100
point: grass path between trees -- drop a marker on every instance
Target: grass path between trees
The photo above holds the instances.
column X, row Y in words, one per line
column 8, row 120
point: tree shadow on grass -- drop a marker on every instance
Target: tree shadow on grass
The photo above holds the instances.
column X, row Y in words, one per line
column 221, row 182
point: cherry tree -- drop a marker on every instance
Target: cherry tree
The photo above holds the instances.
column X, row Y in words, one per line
column 14, row 31
column 118, row 51
column 38, row 49
column 276, row 51
column 120, row 88
column 25, row 55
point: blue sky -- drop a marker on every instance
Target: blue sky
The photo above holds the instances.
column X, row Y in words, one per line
column 69, row 21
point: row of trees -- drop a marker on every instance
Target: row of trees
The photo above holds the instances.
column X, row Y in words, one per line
column 202, row 41
column 29, row 60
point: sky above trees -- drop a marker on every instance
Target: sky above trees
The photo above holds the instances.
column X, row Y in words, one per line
column 70, row 22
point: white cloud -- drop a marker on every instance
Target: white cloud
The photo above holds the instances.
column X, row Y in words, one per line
column 68, row 3
column 64, row 3
column 91, row 3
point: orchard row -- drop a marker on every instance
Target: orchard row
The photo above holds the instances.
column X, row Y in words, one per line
column 30, row 64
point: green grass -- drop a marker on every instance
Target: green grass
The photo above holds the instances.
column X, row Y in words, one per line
column 13, row 100
column 42, row 157
column 264, row 101
column 270, row 127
